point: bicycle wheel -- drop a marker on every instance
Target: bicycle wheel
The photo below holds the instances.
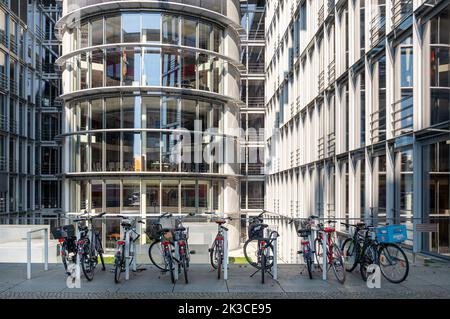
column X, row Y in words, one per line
column 64, row 257
column 368, row 258
column 169, row 263
column 251, row 253
column 213, row 255
column 87, row 263
column 349, row 254
column 119, row 264
column 263, row 266
column 219, row 257
column 185, row 269
column 156, row 255
column 99, row 249
column 309, row 261
column 338, row 263
column 318, row 252
column 393, row 263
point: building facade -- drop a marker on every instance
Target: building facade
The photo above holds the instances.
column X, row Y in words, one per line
column 252, row 111
column 358, row 96
column 151, row 116
column 29, row 112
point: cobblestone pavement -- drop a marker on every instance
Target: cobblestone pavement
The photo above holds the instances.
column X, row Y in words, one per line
column 425, row 281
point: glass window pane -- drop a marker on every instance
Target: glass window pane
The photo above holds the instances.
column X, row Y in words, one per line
column 131, row 68
column 188, row 75
column 171, row 68
column 169, row 153
column 152, row 109
column 131, row 27
column 204, row 72
column 152, row 152
column 151, row 27
column 205, row 34
column 97, row 66
column 97, row 114
column 113, row 57
column 112, row 155
column 203, row 196
column 97, row 197
column 96, row 149
column 152, row 68
column 131, row 148
column 132, row 117
column 112, row 29
column 83, row 72
column 188, row 114
column 112, row 111
column 170, row 25
column 189, row 29
column 113, row 198
column 131, row 197
column 188, row 204
column 169, row 196
column 169, row 113
column 152, row 197
column 84, row 36
column 97, row 32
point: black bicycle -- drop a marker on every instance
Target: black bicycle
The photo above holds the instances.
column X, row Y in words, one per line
column 265, row 254
column 89, row 245
column 68, row 244
column 217, row 250
column 366, row 250
column 251, row 246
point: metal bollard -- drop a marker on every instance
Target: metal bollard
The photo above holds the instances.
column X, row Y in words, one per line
column 225, row 255
column 324, row 255
column 275, row 259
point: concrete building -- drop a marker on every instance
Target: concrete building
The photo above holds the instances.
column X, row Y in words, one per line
column 357, row 114
column 141, row 80
column 29, row 112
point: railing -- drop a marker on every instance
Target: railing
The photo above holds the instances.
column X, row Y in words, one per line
column 13, row 165
column 321, row 147
column 3, row 81
column 256, row 34
column 255, row 203
column 332, row 71
column 3, row 38
column 48, row 169
column 321, row 16
column 13, row 45
column 3, row 166
column 321, row 81
column 45, row 229
column 297, row 157
column 255, row 136
column 255, row 102
column 255, row 169
column 378, row 126
column 13, row 87
column 377, row 28
column 3, row 123
column 256, row 67
column 2, row 204
column 400, row 9
column 297, row 102
column 331, row 145
column 402, row 116
column 330, row 5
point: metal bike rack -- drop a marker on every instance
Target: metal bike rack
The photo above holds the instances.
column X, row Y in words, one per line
column 225, row 254
column 177, row 257
column 45, row 229
column 275, row 259
column 324, row 254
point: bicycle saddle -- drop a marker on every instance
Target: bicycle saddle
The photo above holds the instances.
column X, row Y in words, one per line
column 329, row 229
column 220, row 222
column 125, row 224
column 180, row 229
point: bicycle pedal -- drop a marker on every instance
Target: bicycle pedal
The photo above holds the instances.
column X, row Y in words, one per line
column 192, row 252
column 299, row 252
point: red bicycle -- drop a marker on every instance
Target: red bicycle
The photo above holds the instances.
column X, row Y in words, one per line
column 334, row 254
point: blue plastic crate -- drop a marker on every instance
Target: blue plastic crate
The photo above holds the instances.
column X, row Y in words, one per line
column 391, row 234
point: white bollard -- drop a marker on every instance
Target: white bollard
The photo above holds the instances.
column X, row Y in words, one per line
column 127, row 256
column 177, row 257
column 324, row 256
column 28, row 255
column 46, row 249
column 225, row 255
column 275, row 259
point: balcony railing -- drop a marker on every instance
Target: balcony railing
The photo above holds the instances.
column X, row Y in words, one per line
column 377, row 28
column 256, row 68
column 400, row 9
column 3, row 165
column 3, row 82
column 3, row 38
column 256, row 34
column 321, row 16
column 256, row 102
column 49, row 169
column 255, row 169
column 255, row 203
column 321, row 147
column 402, row 115
column 332, row 71
column 255, row 136
column 321, row 81
column 378, row 126
column 331, row 144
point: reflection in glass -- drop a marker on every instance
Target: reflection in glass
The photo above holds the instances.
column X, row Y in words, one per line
column 131, row 150
column 131, row 66
column 171, row 68
column 152, row 67
column 97, row 197
column 152, row 110
column 152, row 152
column 131, row 197
column 151, row 27
column 131, row 27
column 112, row 112
column 188, row 197
column 169, row 194
column 152, row 197
column 112, row 151
column 97, row 32
column 97, row 114
column 170, row 29
column 189, row 29
column 113, row 197
column 188, row 74
column 112, row 29
column 113, row 57
column 96, row 152
column 131, row 108
column 97, row 67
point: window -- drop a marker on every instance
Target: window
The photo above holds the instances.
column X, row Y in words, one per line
column 152, row 67
column 96, row 152
column 151, row 107
column 170, row 68
column 113, row 57
column 188, row 75
column 97, row 114
column 151, row 27
column 112, row 112
column 169, row 190
column 97, row 66
column 84, row 35
column 131, row 27
column 205, row 35
column 152, row 152
column 97, row 32
column 112, row 147
column 189, row 29
column 170, row 25
column 131, row 108
column 112, row 29
column 131, row 152
column 131, row 66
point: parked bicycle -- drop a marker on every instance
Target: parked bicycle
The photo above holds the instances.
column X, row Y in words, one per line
column 126, row 248
column 170, row 245
column 89, row 245
column 68, row 244
column 251, row 246
column 304, row 231
column 364, row 249
column 333, row 253
column 217, row 250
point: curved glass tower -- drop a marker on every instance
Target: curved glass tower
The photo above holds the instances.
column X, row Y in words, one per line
column 151, row 117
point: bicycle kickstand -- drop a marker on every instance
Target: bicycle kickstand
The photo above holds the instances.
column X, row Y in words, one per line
column 257, row 270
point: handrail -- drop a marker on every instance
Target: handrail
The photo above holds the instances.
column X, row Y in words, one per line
column 45, row 229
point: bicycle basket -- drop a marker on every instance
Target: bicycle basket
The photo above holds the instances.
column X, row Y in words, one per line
column 66, row 231
column 169, row 222
column 255, row 231
column 153, row 230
